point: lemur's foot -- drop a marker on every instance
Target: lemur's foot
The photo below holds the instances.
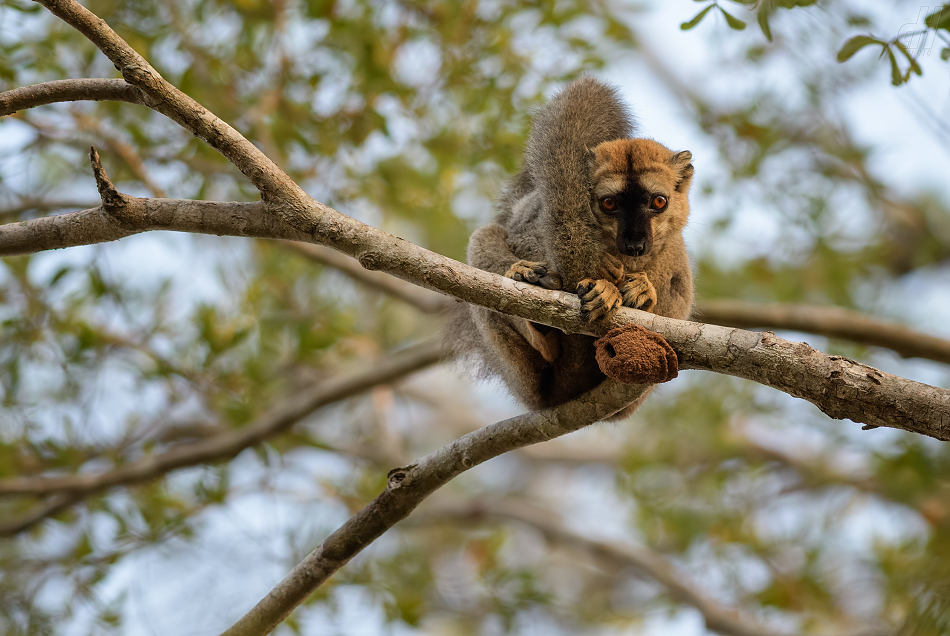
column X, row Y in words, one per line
column 598, row 298
column 637, row 291
column 612, row 269
column 534, row 273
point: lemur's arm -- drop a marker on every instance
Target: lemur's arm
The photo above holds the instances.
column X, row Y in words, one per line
column 488, row 249
column 558, row 159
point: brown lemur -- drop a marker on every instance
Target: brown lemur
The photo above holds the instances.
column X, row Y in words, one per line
column 595, row 211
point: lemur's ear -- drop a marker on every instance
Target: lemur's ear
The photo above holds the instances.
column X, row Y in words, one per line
column 591, row 157
column 681, row 163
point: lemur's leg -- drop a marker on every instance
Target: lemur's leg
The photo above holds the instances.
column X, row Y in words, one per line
column 488, row 249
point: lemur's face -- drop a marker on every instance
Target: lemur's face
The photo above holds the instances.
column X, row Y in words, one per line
column 640, row 193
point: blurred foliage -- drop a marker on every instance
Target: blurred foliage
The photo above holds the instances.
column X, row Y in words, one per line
column 409, row 115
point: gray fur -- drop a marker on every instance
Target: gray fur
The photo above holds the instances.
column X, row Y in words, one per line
column 544, row 214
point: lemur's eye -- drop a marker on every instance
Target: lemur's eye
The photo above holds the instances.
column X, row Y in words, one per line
column 608, row 204
column 658, row 202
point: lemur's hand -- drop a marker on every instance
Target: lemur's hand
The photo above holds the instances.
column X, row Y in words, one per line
column 637, row 291
column 534, row 273
column 598, row 298
column 611, row 268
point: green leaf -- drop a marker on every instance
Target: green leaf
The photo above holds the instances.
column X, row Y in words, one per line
column 58, row 276
column 732, row 21
column 854, row 45
column 945, row 54
column 896, row 78
column 763, row 18
column 914, row 66
column 939, row 19
column 686, row 26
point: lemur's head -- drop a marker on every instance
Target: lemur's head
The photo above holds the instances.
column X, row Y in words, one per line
column 641, row 192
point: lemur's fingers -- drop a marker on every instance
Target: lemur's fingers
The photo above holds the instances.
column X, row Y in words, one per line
column 529, row 272
column 598, row 298
column 550, row 281
column 638, row 292
column 612, row 269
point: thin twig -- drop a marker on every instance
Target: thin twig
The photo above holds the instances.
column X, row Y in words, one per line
column 47, row 508
column 124, row 150
column 165, row 98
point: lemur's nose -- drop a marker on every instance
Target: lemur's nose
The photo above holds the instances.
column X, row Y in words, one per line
column 635, row 248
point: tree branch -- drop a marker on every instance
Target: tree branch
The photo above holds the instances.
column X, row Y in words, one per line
column 408, row 486
column 98, row 225
column 223, row 445
column 166, row 99
column 841, row 388
column 833, row 322
column 69, row 90
column 718, row 618
column 40, row 511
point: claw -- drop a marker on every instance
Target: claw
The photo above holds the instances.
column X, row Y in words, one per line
column 550, row 281
column 598, row 298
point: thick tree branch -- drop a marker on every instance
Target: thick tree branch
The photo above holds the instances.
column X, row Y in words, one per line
column 409, row 486
column 229, row 443
column 98, row 225
column 718, row 618
column 833, row 322
column 69, row 90
column 841, row 388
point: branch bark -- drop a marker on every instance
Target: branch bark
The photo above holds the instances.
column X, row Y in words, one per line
column 833, row 322
column 72, row 488
column 718, row 618
column 408, row 486
column 99, row 225
column 69, row 90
